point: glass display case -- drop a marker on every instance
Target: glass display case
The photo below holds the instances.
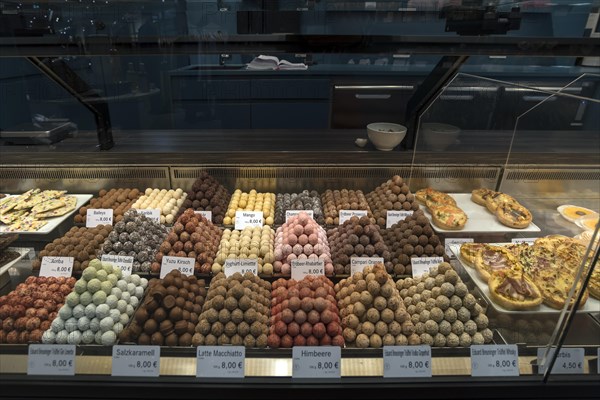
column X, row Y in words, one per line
column 474, row 206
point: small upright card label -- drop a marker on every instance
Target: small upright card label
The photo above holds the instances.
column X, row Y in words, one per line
column 220, row 361
column 358, row 264
column 568, row 361
column 302, row 268
column 59, row 267
column 421, row 265
column 292, row 213
column 152, row 213
column 345, row 215
column 123, row 262
column 205, row 214
column 407, row 361
column 136, row 361
column 395, row 216
column 245, row 219
column 455, row 241
column 51, row 359
column 495, row 360
column 241, row 265
column 185, row 265
column 524, row 240
column 98, row 216
column 316, row 362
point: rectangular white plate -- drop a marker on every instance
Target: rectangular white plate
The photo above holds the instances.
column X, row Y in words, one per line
column 56, row 221
column 591, row 305
column 480, row 219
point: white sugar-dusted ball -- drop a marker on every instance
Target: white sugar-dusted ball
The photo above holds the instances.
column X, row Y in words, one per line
column 71, row 325
column 78, row 311
column 90, row 311
column 83, row 323
column 106, row 324
column 87, row 337
column 124, row 319
column 122, row 306
column 125, row 296
column 62, row 336
column 98, row 337
column 130, row 310
column 122, row 285
column 139, row 292
column 111, row 301
column 116, row 292
column 134, row 301
column 115, row 315
column 117, row 328
column 102, row 311
column 57, row 325
column 65, row 312
column 135, row 279
column 95, row 324
column 49, row 337
column 144, row 283
column 74, row 337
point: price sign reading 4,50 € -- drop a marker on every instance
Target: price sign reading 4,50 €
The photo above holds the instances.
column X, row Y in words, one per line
column 51, row 359
column 251, row 219
column 98, row 216
column 302, row 268
column 220, row 361
column 185, row 265
column 316, row 362
column 495, row 360
column 136, row 361
column 57, row 266
column 568, row 361
column 407, row 362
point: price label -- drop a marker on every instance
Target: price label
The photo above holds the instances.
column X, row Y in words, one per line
column 136, row 361
column 152, row 213
column 241, row 265
column 455, row 241
column 302, row 268
column 568, row 361
column 524, row 240
column 292, row 213
column 495, row 360
column 205, row 214
column 407, row 361
column 421, row 265
column 185, row 265
column 98, row 216
column 316, row 362
column 220, row 361
column 345, row 215
column 395, row 216
column 245, row 219
column 57, row 267
column 123, row 262
column 51, row 359
column 358, row 264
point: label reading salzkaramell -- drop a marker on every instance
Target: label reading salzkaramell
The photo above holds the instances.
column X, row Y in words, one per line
column 136, row 361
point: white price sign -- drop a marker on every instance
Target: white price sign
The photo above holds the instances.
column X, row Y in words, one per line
column 302, row 268
column 395, row 216
column 57, row 267
column 245, row 219
column 205, row 214
column 407, row 361
column 292, row 213
column 185, row 265
column 98, row 216
column 123, row 262
column 136, row 361
column 524, row 240
column 241, row 265
column 316, row 362
column 495, row 360
column 345, row 215
column 51, row 359
column 455, row 241
column 220, row 361
column 568, row 361
column 358, row 264
column 152, row 213
column 421, row 265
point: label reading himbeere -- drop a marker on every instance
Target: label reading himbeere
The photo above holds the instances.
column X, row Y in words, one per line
column 98, row 216
column 421, row 265
column 51, row 359
column 292, row 213
column 345, row 215
column 123, row 262
column 302, row 268
column 205, row 214
column 407, row 361
column 358, row 264
column 241, row 265
column 495, row 360
column 58, row 267
column 152, row 213
column 220, row 361
column 395, row 216
column 316, row 362
column 245, row 219
column 568, row 361
column 136, row 361
column 185, row 265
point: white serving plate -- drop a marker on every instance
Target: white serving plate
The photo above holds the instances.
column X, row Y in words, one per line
column 22, row 253
column 56, row 221
column 479, row 218
column 581, row 222
column 561, row 209
column 591, row 305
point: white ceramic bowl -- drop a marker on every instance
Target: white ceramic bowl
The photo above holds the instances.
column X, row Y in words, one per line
column 438, row 137
column 385, row 136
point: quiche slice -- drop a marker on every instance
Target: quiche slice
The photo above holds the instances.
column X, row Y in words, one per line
column 434, row 196
column 554, row 285
column 492, row 258
column 494, row 200
column 594, row 285
column 478, row 196
column 448, row 217
column 469, row 253
column 513, row 290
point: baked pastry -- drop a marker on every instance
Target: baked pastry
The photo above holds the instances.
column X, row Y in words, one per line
column 469, row 253
column 494, row 200
column 434, row 196
column 492, row 258
column 594, row 285
column 513, row 290
column 513, row 214
column 478, row 196
column 448, row 216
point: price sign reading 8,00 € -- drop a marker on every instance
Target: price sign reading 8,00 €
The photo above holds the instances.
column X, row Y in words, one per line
column 407, row 361
column 136, row 361
column 495, row 360
column 51, row 359
column 220, row 361
column 316, row 362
